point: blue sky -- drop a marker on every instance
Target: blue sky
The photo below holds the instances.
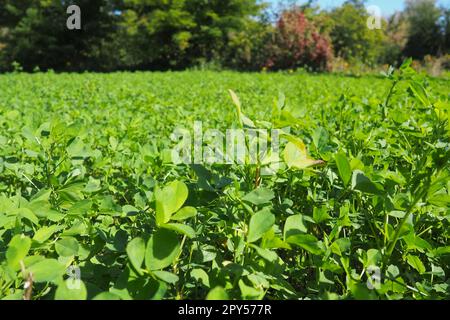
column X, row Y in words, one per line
column 387, row 6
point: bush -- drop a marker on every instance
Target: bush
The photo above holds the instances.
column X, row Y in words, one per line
column 297, row 42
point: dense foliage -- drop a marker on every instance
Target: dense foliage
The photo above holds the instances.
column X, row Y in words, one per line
column 426, row 29
column 298, row 43
column 238, row 34
column 351, row 38
column 86, row 182
column 120, row 34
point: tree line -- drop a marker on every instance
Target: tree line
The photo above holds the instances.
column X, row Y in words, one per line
column 235, row 34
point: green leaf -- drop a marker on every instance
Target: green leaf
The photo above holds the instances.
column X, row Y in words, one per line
column 166, row 276
column 78, row 228
column 320, row 214
column 80, row 208
column 344, row 168
column 441, row 251
column 362, row 183
column 250, row 293
column 169, row 200
column 27, row 214
column 360, row 291
column 320, row 138
column 40, row 208
column 200, row 276
column 341, row 246
column 259, row 196
column 180, row 228
column 42, row 195
column 67, row 247
column 45, row 233
column 374, row 257
column 267, row 254
column 307, row 242
column 440, row 200
column 271, row 241
column 163, row 248
column 296, row 156
column 92, row 186
column 71, row 290
column 260, row 223
column 415, row 242
column 136, row 252
column 243, row 120
column 420, row 93
column 130, row 210
column 71, row 193
column 415, row 262
column 393, row 272
column 46, row 270
column 218, row 293
column 185, row 213
column 236, row 102
column 17, row 250
column 397, row 214
column 294, row 225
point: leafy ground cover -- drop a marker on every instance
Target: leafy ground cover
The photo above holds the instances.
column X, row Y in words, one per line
column 359, row 208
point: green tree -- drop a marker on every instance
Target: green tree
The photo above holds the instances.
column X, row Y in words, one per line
column 396, row 38
column 218, row 22
column 425, row 34
column 351, row 38
column 246, row 48
column 155, row 34
column 446, row 28
column 37, row 34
